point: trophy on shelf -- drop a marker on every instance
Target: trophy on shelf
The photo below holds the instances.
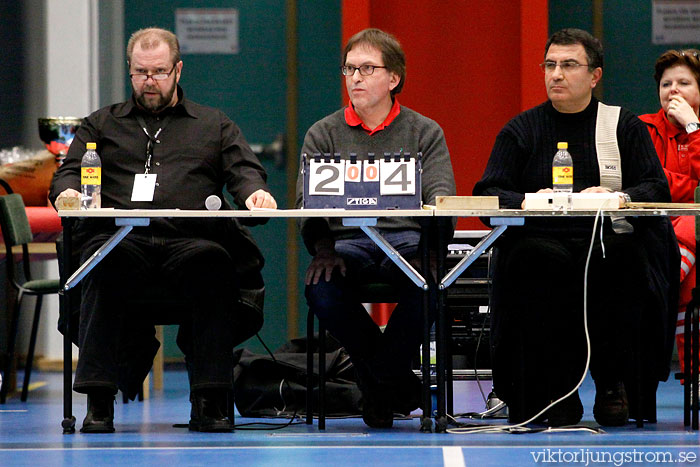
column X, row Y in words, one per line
column 30, row 172
column 57, row 133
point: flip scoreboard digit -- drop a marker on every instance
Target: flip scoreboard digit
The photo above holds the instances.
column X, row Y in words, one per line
column 389, row 181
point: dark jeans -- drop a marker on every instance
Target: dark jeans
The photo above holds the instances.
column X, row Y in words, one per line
column 379, row 357
column 538, row 340
column 146, row 279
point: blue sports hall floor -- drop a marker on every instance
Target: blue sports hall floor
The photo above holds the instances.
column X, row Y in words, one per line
column 30, row 434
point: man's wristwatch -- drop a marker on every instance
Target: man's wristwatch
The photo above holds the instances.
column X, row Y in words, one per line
column 625, row 198
column 692, row 126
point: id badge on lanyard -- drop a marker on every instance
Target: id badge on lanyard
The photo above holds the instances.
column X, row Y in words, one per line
column 145, row 183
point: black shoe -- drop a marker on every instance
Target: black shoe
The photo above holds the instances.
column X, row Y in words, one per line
column 611, row 407
column 376, row 409
column 208, row 412
column 407, row 395
column 567, row 412
column 100, row 414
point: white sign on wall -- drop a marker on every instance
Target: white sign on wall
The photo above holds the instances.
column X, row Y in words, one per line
column 675, row 21
column 207, row 31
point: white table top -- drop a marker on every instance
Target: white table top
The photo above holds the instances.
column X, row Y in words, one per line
column 665, row 211
column 152, row 213
column 675, row 210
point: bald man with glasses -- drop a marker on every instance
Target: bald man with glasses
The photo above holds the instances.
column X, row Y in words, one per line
column 160, row 150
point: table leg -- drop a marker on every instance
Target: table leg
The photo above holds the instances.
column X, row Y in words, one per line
column 440, row 326
column 426, row 421
column 68, row 423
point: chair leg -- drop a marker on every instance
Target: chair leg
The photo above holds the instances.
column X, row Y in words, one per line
column 309, row 368
column 158, row 361
column 693, row 373
column 32, row 346
column 321, row 376
column 638, row 376
column 687, row 373
column 231, row 409
column 12, row 338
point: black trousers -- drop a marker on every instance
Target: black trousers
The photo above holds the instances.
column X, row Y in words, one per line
column 381, row 359
column 538, row 340
column 146, row 280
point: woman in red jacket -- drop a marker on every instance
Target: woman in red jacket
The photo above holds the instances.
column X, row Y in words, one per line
column 674, row 131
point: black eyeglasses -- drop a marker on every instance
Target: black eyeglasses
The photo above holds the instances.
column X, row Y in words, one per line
column 143, row 77
column 688, row 53
column 548, row 66
column 365, row 70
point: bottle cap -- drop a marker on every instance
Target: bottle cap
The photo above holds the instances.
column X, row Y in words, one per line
column 562, row 145
column 94, row 145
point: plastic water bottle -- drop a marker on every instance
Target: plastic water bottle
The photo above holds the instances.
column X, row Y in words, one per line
column 90, row 178
column 563, row 170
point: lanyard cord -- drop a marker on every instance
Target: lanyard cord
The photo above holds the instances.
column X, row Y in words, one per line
column 151, row 139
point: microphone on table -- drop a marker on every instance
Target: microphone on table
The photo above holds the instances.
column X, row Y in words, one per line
column 213, row 203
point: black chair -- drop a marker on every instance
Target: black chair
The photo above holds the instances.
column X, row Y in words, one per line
column 691, row 347
column 16, row 232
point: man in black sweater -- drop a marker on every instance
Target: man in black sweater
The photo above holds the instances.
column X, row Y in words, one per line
column 538, row 340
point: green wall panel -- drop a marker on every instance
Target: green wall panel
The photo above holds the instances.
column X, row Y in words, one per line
column 250, row 87
column 629, row 53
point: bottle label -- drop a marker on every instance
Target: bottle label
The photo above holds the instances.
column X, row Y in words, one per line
column 563, row 175
column 91, row 175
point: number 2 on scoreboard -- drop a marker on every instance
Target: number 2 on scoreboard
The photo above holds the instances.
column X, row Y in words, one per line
column 327, row 178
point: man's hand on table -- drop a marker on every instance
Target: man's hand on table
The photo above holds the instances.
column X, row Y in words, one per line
column 602, row 189
column 66, row 200
column 261, row 199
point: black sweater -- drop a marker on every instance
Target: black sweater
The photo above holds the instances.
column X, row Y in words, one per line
column 521, row 160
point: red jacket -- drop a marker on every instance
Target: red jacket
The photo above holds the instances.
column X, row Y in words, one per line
column 679, row 153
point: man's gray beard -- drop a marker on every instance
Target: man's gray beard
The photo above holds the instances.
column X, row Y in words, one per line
column 162, row 102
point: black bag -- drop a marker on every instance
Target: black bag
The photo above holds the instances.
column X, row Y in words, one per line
column 277, row 388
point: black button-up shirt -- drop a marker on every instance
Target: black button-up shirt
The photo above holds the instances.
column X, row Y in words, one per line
column 200, row 152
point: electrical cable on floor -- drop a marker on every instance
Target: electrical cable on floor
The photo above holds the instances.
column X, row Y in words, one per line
column 520, row 428
column 264, row 426
column 489, row 413
column 476, row 354
column 267, row 426
column 483, row 327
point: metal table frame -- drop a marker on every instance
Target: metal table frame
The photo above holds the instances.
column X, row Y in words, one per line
column 126, row 220
column 501, row 219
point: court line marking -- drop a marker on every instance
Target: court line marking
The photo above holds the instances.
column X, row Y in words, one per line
column 452, row 456
column 204, row 448
column 231, row 448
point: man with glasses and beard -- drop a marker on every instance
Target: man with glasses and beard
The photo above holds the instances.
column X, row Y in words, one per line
column 180, row 152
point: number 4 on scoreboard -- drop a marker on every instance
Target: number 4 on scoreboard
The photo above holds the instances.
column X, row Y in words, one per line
column 397, row 178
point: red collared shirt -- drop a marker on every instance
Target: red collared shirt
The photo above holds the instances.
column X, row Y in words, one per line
column 352, row 119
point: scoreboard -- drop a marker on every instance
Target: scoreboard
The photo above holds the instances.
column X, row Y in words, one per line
column 389, row 181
